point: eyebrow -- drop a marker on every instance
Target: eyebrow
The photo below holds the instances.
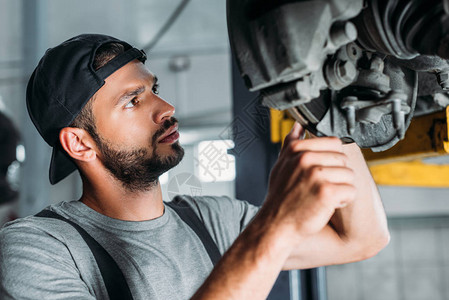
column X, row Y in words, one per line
column 134, row 92
column 125, row 96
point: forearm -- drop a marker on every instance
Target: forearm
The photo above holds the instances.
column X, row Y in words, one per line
column 250, row 267
column 363, row 222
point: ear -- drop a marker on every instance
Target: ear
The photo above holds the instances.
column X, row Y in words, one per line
column 77, row 143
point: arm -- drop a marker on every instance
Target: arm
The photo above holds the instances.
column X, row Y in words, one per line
column 362, row 223
column 307, row 184
column 355, row 232
column 250, row 267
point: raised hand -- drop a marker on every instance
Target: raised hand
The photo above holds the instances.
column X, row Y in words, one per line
column 309, row 181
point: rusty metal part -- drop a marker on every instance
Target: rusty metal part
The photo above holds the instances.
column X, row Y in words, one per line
column 270, row 44
column 303, row 56
column 371, row 111
column 427, row 136
column 340, row 74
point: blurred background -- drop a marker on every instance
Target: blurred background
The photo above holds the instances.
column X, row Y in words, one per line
column 188, row 49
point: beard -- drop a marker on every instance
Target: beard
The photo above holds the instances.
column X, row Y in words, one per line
column 138, row 169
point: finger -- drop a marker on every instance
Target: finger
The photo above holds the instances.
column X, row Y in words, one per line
column 296, row 133
column 322, row 158
column 331, row 174
column 317, row 144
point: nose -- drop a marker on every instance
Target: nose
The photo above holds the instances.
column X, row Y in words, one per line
column 163, row 111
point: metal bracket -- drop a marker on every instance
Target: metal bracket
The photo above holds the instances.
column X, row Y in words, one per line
column 427, row 136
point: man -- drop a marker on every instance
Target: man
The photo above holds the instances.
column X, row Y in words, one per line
column 94, row 101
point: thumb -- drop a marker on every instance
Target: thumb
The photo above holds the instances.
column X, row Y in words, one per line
column 297, row 133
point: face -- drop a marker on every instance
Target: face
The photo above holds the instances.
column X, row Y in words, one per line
column 136, row 132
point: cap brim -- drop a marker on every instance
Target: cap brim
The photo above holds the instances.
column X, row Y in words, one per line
column 60, row 166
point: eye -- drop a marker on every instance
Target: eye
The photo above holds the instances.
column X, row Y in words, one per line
column 134, row 101
column 156, row 88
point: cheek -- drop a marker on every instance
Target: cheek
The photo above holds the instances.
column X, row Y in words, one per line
column 127, row 129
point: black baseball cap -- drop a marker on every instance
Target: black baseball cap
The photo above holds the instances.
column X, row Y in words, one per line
column 62, row 83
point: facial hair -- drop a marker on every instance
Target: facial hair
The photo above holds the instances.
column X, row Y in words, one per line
column 138, row 169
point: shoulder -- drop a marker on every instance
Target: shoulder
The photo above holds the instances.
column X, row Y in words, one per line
column 31, row 242
column 28, row 226
column 32, row 235
column 34, row 254
column 38, row 227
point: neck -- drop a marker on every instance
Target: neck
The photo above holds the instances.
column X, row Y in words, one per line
column 109, row 198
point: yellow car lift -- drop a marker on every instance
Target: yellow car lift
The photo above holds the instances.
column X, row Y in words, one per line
column 401, row 165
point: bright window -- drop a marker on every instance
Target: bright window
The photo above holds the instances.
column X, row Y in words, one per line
column 213, row 161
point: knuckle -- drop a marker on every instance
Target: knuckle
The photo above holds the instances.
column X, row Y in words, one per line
column 325, row 191
column 314, row 172
column 291, row 146
column 305, row 158
column 343, row 156
column 339, row 159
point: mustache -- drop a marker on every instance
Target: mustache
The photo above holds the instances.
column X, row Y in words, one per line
column 164, row 127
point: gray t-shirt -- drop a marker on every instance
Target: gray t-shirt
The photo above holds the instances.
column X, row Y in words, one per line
column 43, row 258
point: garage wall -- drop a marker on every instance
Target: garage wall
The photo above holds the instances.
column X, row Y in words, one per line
column 414, row 266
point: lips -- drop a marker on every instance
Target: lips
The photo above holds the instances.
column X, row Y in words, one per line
column 171, row 135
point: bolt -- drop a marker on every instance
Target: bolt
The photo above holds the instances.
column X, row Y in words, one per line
column 342, row 33
column 353, row 51
column 398, row 118
column 377, row 64
column 304, row 89
column 346, row 72
column 348, row 105
column 350, row 117
column 442, row 99
column 443, row 79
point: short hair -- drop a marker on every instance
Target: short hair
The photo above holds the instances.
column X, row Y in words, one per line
column 85, row 119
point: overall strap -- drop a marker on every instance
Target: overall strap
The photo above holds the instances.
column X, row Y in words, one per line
column 186, row 213
column 113, row 277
